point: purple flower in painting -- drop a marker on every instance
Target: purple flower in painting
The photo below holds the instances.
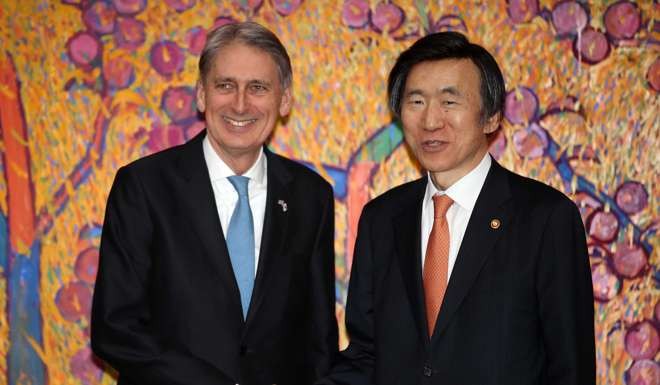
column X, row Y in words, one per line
column 129, row 7
column 162, row 137
column 129, row 33
column 74, row 301
column 522, row 11
column 387, row 17
column 569, row 18
column 606, row 284
column 179, row 104
column 87, row 265
column 643, row 372
column 84, row 366
column 118, row 73
column 622, row 20
column 642, row 341
column 530, row 142
column 180, row 5
column 84, row 50
column 167, row 58
column 521, row 106
column 99, row 17
column 222, row 20
column 632, row 197
column 355, row 13
column 196, row 38
column 591, row 47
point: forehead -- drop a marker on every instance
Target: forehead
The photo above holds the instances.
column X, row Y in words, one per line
column 462, row 74
column 242, row 61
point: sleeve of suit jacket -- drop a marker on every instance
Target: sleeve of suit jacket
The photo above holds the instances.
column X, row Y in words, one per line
column 565, row 299
column 355, row 365
column 323, row 335
column 120, row 312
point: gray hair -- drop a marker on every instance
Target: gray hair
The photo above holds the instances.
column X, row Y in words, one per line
column 251, row 34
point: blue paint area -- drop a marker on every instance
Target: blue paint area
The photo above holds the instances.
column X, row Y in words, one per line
column 381, row 144
column 4, row 250
column 25, row 319
column 90, row 232
column 339, row 177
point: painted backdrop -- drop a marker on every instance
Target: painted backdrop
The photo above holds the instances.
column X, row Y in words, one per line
column 89, row 85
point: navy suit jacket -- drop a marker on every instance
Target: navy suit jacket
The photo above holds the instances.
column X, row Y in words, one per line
column 166, row 306
column 518, row 309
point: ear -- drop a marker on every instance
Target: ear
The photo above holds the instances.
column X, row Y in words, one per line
column 201, row 97
column 492, row 123
column 286, row 102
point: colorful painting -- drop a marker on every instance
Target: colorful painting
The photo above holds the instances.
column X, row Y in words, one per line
column 89, row 85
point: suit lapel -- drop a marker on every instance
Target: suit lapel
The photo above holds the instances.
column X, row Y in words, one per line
column 200, row 213
column 274, row 232
column 407, row 227
column 477, row 243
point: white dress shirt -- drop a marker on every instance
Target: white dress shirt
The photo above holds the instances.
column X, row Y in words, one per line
column 464, row 193
column 226, row 196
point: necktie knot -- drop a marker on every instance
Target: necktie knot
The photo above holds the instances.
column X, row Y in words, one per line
column 240, row 184
column 441, row 204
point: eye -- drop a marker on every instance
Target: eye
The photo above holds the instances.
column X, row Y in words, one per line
column 448, row 102
column 224, row 86
column 258, row 87
column 416, row 101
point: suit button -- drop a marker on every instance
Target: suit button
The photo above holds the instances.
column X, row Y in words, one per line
column 428, row 371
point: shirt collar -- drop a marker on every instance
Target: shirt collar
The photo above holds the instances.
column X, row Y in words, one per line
column 218, row 169
column 464, row 191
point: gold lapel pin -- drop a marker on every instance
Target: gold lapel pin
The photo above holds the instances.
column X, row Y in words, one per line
column 495, row 223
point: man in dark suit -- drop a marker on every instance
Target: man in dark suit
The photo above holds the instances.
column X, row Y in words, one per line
column 471, row 275
column 217, row 261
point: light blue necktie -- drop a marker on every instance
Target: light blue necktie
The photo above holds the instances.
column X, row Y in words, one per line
column 240, row 241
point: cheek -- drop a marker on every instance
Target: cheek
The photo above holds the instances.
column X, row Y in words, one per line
column 213, row 102
column 409, row 137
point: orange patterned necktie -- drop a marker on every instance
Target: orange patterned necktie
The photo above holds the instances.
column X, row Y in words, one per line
column 437, row 260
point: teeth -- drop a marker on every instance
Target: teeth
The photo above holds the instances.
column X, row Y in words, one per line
column 239, row 123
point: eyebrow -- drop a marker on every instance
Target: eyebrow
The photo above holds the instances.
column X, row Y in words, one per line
column 223, row 79
column 234, row 80
column 260, row 82
column 414, row 92
column 450, row 90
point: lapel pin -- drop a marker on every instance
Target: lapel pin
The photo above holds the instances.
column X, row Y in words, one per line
column 495, row 223
column 283, row 205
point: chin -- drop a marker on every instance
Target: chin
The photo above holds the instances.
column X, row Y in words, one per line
column 433, row 166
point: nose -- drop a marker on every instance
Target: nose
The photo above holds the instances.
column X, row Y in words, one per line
column 433, row 117
column 239, row 104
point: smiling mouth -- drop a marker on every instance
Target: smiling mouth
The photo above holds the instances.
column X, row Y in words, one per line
column 238, row 123
column 434, row 145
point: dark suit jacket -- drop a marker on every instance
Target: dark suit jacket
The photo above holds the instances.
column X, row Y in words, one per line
column 519, row 304
column 166, row 306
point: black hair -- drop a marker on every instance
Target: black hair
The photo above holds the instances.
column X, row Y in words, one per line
column 449, row 45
